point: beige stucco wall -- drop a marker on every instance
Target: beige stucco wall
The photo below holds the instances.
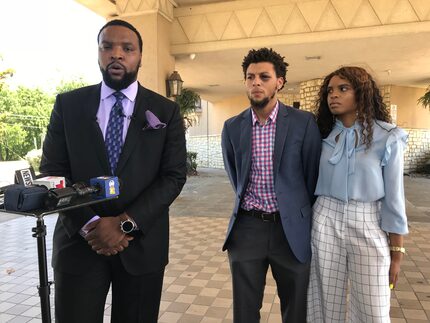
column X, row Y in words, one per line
column 166, row 62
column 157, row 63
column 218, row 112
column 213, row 115
column 409, row 113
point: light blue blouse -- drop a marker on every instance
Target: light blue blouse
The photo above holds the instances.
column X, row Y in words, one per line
column 348, row 173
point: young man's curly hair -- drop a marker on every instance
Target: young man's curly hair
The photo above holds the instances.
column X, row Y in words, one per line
column 266, row 55
column 370, row 106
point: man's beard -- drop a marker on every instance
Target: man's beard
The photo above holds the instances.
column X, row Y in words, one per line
column 124, row 82
column 260, row 104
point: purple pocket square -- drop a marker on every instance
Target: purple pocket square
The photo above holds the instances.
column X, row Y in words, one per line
column 153, row 121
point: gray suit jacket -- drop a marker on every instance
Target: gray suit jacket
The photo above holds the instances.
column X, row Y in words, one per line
column 295, row 167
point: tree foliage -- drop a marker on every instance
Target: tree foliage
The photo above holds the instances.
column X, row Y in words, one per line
column 425, row 99
column 24, row 116
column 70, row 85
column 188, row 102
column 23, row 119
column 5, row 74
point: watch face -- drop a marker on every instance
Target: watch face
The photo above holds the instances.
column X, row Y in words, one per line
column 127, row 226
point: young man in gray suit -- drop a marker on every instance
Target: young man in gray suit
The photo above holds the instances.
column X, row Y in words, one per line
column 116, row 128
column 271, row 154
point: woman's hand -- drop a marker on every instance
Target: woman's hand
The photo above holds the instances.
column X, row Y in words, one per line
column 396, row 240
column 396, row 258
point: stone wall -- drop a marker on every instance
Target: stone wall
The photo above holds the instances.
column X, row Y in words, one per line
column 208, row 149
column 288, row 98
column 418, row 151
column 309, row 94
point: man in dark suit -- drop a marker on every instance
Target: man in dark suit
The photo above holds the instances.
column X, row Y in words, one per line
column 115, row 128
column 271, row 154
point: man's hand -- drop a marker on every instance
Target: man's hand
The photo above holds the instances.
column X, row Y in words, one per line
column 115, row 250
column 105, row 233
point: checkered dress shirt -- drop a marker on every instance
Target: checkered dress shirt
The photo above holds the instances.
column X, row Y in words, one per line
column 260, row 193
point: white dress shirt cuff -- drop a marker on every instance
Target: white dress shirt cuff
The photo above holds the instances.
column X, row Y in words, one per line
column 84, row 230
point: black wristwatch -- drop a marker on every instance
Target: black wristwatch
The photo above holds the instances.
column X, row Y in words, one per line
column 127, row 226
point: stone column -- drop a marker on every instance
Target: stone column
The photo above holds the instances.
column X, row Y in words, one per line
column 152, row 18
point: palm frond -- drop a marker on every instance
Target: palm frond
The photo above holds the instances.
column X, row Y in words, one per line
column 425, row 99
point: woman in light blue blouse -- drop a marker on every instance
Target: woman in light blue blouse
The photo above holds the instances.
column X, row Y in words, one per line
column 359, row 217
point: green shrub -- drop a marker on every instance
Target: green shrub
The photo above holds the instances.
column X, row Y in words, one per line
column 425, row 99
column 191, row 163
column 424, row 169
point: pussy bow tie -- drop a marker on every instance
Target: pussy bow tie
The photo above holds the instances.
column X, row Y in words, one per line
column 345, row 145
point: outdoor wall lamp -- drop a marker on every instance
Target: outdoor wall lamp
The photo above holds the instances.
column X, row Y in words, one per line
column 174, row 85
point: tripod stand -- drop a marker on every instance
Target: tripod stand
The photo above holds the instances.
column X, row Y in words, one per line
column 40, row 234
column 45, row 285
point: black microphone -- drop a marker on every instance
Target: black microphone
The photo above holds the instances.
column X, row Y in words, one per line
column 129, row 117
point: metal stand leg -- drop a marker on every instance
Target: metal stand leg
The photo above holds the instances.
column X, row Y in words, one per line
column 45, row 285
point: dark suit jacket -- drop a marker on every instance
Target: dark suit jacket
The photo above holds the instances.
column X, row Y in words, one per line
column 295, row 167
column 151, row 170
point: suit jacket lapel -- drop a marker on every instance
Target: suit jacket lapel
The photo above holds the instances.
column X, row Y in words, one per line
column 282, row 123
column 137, row 122
column 96, row 134
column 246, row 146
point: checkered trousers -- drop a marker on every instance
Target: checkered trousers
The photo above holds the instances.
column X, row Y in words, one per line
column 348, row 248
column 260, row 193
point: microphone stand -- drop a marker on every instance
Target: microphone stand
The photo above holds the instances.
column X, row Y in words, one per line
column 40, row 234
column 45, row 285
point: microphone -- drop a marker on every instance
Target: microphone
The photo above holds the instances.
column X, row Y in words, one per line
column 22, row 198
column 51, row 181
column 25, row 176
column 100, row 188
column 129, row 117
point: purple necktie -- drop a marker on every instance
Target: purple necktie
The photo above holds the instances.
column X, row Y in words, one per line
column 113, row 140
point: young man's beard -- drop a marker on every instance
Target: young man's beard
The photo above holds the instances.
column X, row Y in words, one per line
column 124, row 82
column 261, row 104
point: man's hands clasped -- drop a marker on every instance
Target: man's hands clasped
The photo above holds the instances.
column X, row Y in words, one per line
column 105, row 236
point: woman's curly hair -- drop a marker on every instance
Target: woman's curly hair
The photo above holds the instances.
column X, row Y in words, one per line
column 368, row 98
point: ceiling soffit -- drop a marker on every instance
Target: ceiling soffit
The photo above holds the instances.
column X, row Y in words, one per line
column 251, row 19
column 135, row 7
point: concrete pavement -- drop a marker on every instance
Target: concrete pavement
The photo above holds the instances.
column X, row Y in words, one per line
column 197, row 286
